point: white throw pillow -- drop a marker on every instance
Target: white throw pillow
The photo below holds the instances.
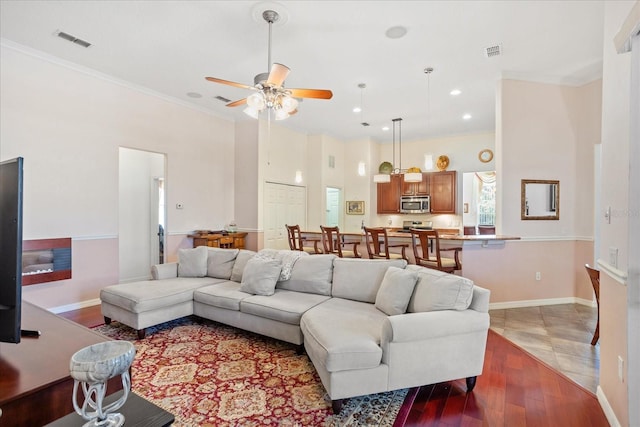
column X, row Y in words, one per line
column 241, row 261
column 192, row 262
column 437, row 290
column 220, row 262
column 260, row 276
column 395, row 291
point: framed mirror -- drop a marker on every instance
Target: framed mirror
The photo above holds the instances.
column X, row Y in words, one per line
column 540, row 199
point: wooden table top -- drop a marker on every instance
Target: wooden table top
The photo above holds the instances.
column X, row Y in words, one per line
column 443, row 236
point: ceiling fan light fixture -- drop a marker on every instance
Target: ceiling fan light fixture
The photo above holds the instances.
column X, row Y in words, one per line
column 281, row 114
column 289, row 104
column 252, row 112
column 256, row 101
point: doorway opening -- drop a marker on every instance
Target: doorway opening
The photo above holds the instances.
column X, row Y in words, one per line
column 332, row 218
column 141, row 212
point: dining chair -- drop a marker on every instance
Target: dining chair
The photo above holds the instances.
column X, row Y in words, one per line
column 377, row 242
column 470, row 230
column 333, row 243
column 594, row 275
column 296, row 241
column 486, row 229
column 420, row 242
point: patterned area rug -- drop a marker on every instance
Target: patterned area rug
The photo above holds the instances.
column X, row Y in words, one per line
column 208, row 374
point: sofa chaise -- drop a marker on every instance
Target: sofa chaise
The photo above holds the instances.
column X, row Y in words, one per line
column 368, row 326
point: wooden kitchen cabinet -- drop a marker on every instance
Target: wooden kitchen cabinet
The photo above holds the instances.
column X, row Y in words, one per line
column 443, row 192
column 389, row 195
column 416, row 188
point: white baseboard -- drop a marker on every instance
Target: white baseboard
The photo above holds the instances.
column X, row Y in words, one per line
column 539, row 302
column 74, row 306
column 607, row 409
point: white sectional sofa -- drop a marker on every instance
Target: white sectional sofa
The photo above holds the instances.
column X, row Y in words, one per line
column 368, row 326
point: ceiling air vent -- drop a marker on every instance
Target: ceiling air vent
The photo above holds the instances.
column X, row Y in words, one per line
column 222, row 98
column 495, row 50
column 73, row 39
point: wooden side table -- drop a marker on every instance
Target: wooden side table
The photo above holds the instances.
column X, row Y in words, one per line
column 138, row 412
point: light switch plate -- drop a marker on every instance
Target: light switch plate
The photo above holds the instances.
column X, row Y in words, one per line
column 613, row 257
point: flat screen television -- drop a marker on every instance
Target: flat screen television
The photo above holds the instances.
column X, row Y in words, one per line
column 11, row 177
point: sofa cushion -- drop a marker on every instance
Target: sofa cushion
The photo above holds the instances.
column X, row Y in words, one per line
column 192, row 262
column 287, row 258
column 360, row 279
column 238, row 266
column 437, row 290
column 148, row 295
column 224, row 295
column 283, row 306
column 220, row 262
column 395, row 291
column 260, row 276
column 343, row 334
column 310, row 274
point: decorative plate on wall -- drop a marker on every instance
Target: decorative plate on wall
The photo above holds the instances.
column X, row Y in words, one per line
column 442, row 163
column 485, row 155
column 385, row 167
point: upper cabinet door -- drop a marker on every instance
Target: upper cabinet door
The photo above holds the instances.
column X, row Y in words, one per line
column 389, row 196
column 416, row 188
column 443, row 192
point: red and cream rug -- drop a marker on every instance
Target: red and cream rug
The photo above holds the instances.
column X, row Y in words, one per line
column 209, row 374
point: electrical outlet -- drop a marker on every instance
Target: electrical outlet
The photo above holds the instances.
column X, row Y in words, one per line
column 538, row 275
column 613, row 257
column 620, row 367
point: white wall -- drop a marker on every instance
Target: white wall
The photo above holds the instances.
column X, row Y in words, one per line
column 616, row 121
column 68, row 124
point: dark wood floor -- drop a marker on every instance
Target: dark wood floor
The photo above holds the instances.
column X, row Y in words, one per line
column 515, row 389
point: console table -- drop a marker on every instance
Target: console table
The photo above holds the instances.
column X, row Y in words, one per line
column 35, row 385
column 219, row 240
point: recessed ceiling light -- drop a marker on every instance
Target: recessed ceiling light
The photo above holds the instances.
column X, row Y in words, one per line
column 385, row 128
column 396, row 32
column 357, row 109
column 467, row 116
column 455, row 92
column 194, row 95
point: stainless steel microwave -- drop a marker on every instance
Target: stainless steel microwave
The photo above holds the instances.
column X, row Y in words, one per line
column 415, row 204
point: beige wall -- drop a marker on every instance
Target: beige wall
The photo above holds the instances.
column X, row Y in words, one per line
column 511, row 277
column 545, row 131
column 68, row 124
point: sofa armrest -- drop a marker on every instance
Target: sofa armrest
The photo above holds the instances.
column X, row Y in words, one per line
column 480, row 299
column 164, row 271
column 414, row 327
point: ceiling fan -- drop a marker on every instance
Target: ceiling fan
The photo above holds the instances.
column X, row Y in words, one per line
column 270, row 91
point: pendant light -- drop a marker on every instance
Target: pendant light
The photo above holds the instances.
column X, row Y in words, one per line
column 411, row 174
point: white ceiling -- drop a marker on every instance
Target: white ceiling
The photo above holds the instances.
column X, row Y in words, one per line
column 169, row 47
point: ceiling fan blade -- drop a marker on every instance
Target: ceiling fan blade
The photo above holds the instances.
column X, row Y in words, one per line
column 278, row 74
column 227, row 82
column 236, row 103
column 311, row 93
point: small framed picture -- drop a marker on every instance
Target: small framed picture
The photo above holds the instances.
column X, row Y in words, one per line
column 355, row 207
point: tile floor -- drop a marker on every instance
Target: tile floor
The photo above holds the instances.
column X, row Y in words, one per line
column 559, row 335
